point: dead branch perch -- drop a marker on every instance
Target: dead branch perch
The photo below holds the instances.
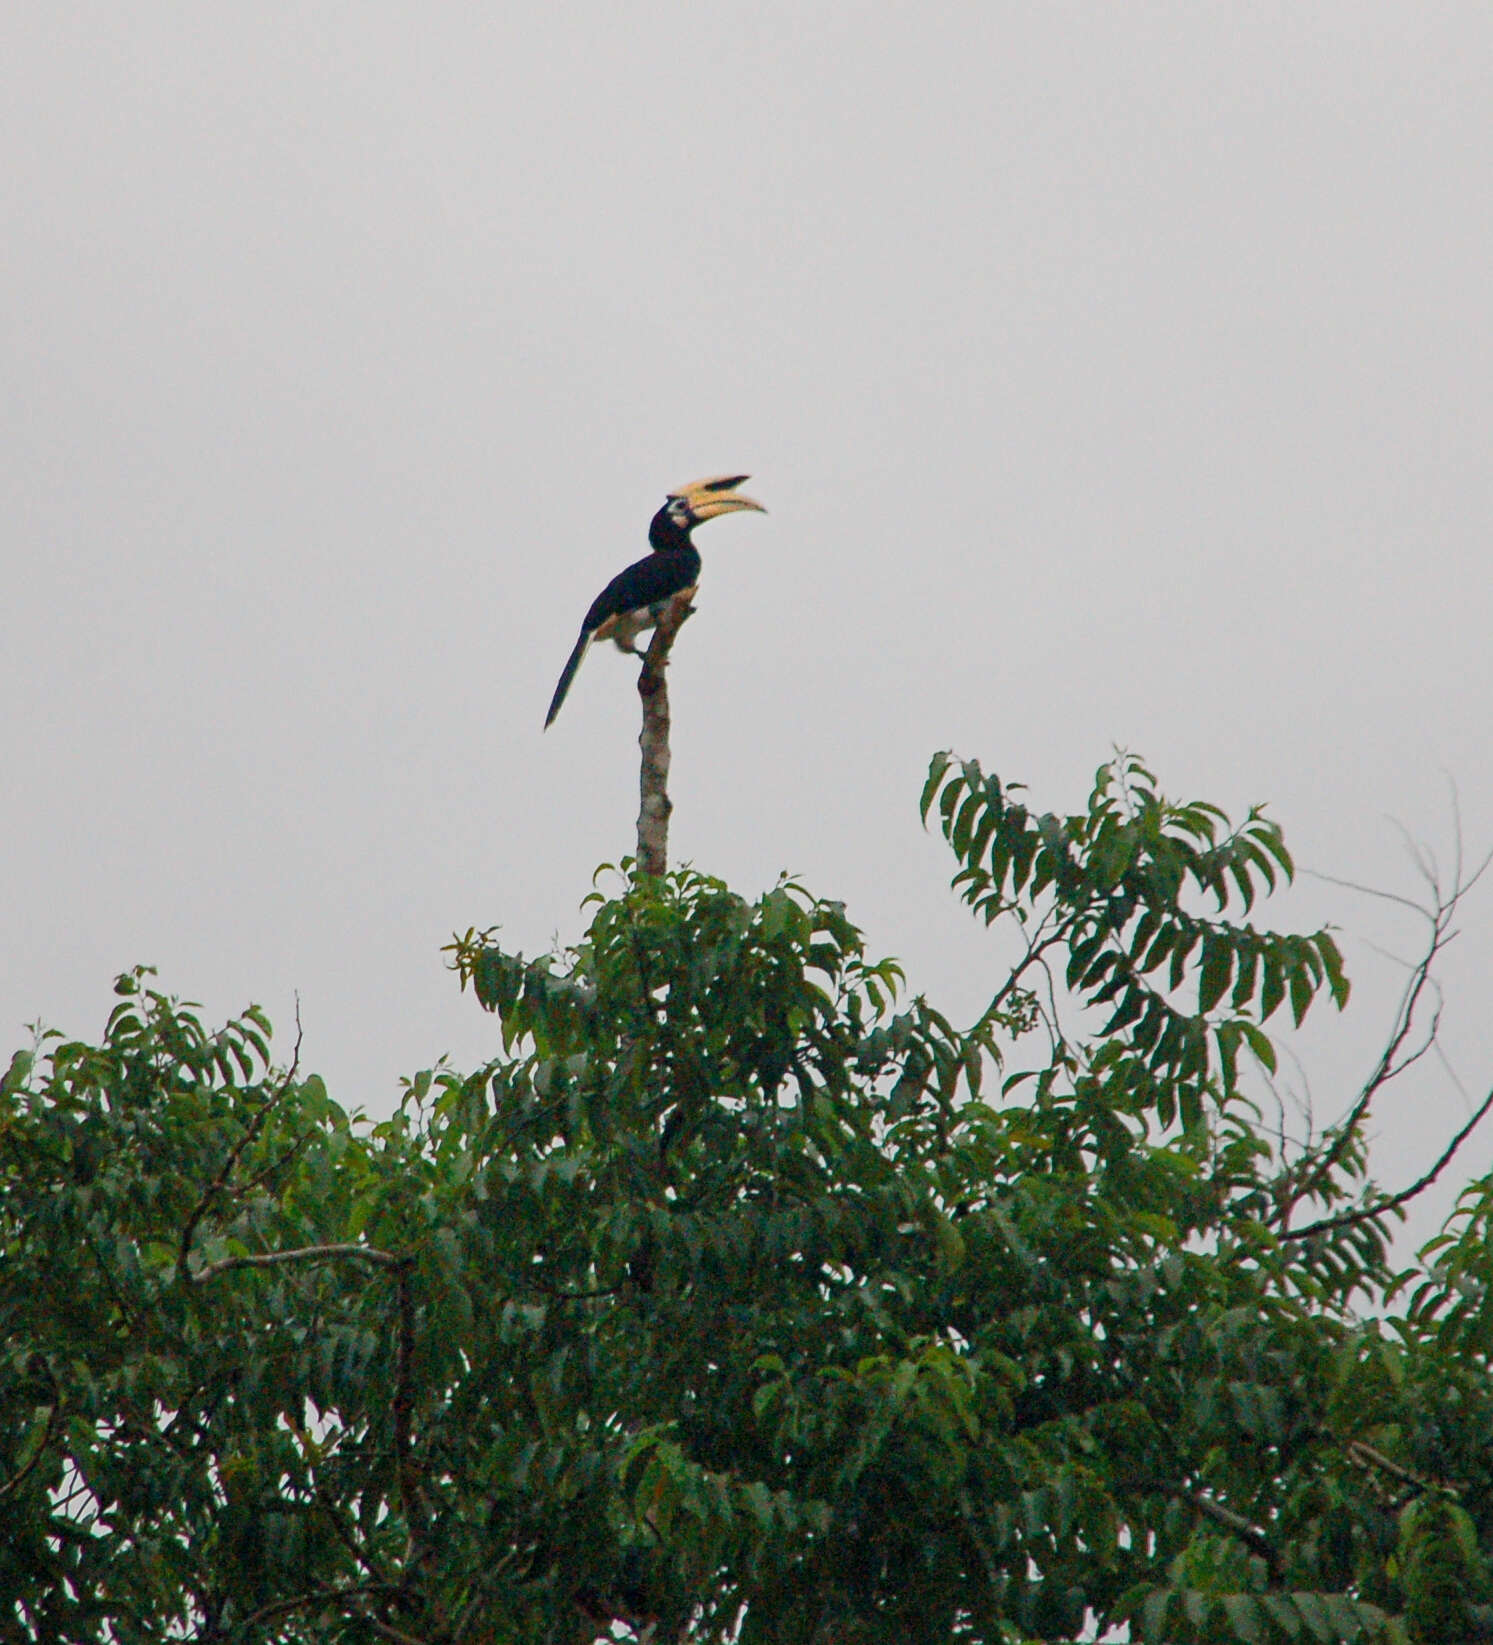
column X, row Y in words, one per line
column 653, row 740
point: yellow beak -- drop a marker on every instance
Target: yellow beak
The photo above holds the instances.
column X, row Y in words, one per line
column 708, row 498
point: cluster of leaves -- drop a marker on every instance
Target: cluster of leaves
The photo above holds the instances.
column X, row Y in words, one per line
column 157, row 1386
column 1105, row 889
column 731, row 1302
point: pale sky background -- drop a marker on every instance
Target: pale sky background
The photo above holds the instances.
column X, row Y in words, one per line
column 1114, row 374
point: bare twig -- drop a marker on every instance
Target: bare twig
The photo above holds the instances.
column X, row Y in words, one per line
column 303, row 1253
column 653, row 781
column 1387, row 1067
column 1395, row 1058
column 1037, row 945
column 1363, row 1213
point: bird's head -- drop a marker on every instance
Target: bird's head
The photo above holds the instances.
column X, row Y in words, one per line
column 691, row 505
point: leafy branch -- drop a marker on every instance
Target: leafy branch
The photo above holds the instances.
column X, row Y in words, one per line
column 1106, row 886
column 219, row 1184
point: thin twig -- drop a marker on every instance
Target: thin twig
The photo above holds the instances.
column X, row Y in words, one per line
column 1364, row 890
column 1346, row 1219
column 1384, row 1071
column 1035, row 949
column 1390, row 1064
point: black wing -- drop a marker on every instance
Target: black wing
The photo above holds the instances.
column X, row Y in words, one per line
column 649, row 582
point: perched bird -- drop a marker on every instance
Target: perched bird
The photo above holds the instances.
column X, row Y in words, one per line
column 635, row 598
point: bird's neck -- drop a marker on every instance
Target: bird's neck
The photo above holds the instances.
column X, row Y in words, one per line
column 666, row 537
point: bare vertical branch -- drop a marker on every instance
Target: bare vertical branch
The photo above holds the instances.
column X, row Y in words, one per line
column 653, row 740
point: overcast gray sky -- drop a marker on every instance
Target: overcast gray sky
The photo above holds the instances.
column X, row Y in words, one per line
column 1114, row 374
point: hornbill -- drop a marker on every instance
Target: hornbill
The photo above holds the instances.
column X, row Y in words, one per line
column 635, row 598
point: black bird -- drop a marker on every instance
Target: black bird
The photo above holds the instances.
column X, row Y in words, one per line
column 635, row 598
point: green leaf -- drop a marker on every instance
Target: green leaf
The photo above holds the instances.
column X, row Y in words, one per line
column 18, row 1073
column 1182, row 946
column 1260, row 1044
column 1283, row 1612
column 949, row 1243
column 1332, row 961
column 1217, row 968
column 1301, row 991
column 1153, row 1615
column 32, row 1440
column 937, row 768
column 1160, row 948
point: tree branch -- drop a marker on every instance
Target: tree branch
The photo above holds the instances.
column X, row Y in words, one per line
column 1366, row 1456
column 1249, row 1534
column 303, row 1253
column 1384, row 1071
column 1439, row 912
column 1363, row 1213
column 653, row 781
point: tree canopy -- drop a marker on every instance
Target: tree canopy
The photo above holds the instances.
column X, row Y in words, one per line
column 744, row 1297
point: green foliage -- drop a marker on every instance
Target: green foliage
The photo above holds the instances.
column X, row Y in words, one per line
column 1441, row 1569
column 743, row 1298
column 1106, row 889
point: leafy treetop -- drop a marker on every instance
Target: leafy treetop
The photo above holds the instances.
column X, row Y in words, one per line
column 742, row 1297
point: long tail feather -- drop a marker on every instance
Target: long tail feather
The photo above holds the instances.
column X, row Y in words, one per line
column 581, row 647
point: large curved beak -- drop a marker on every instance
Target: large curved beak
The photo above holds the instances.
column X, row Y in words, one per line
column 708, row 498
